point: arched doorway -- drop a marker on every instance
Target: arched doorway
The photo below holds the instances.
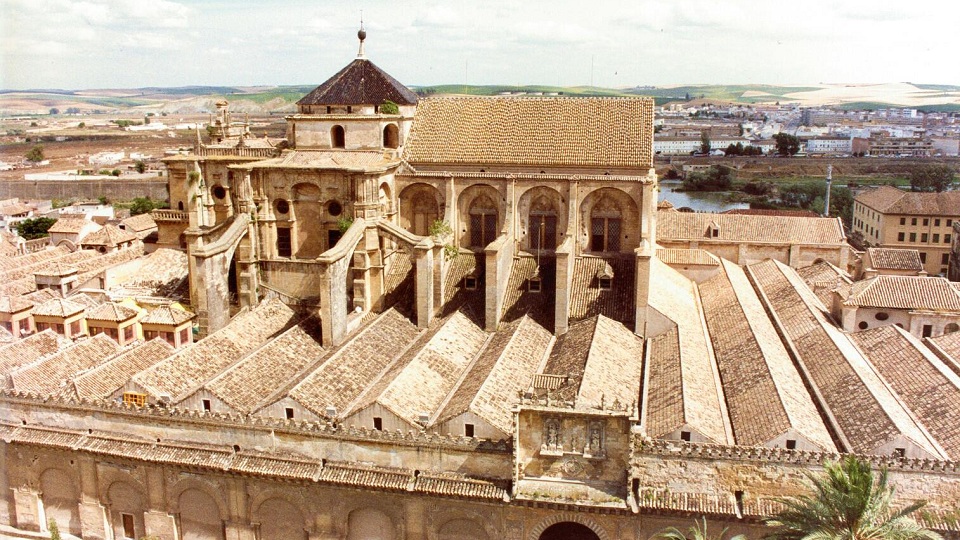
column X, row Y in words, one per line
column 568, row 530
column 280, row 520
column 391, row 136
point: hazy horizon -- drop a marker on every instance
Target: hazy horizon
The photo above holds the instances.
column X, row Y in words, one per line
column 128, row 44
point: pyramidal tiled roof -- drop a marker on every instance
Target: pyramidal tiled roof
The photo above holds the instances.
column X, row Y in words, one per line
column 111, row 235
column 361, row 82
column 166, row 315
column 14, row 304
column 544, row 131
column 58, row 307
column 111, row 312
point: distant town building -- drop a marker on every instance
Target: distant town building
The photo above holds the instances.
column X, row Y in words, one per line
column 829, row 145
column 890, row 217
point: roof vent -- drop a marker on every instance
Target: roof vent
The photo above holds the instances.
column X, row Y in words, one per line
column 424, row 418
column 331, row 411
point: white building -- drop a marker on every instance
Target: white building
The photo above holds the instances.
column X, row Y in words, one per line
column 829, row 145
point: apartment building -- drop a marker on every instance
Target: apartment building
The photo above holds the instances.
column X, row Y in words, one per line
column 890, row 217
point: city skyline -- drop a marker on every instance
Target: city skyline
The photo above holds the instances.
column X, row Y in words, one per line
column 122, row 43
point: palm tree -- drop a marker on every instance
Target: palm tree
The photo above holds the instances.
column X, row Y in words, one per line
column 847, row 504
column 696, row 532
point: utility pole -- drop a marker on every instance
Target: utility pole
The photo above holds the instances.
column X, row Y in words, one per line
column 826, row 199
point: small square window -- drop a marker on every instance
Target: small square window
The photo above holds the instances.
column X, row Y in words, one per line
column 913, row 221
column 923, row 257
column 468, row 430
column 903, row 221
column 134, row 398
column 685, row 436
column 288, row 412
column 378, row 423
column 791, row 444
column 899, row 452
column 949, row 223
column 936, row 238
column 913, row 237
column 946, row 239
column 470, row 283
column 936, row 222
column 535, row 284
column 926, row 222
column 206, row 404
column 900, row 237
column 128, row 530
column 924, row 237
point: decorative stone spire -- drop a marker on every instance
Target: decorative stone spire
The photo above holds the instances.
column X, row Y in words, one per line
column 362, row 34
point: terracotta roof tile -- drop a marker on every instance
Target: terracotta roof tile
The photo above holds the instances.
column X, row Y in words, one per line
column 360, row 82
column 614, row 365
column 103, row 380
column 926, row 385
column 453, row 485
column 328, row 159
column 891, row 200
column 947, row 348
column 587, row 299
column 583, row 132
column 28, row 349
column 688, row 256
column 867, row 413
column 139, row 223
column 765, row 394
column 190, row 367
column 50, row 374
column 14, row 304
column 354, row 474
column 110, row 235
column 167, row 315
column 71, row 225
column 686, row 226
column 58, row 307
column 568, row 358
column 894, row 259
column 111, row 312
column 24, row 263
column 905, row 292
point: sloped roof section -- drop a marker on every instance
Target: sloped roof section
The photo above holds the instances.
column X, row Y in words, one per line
column 361, row 82
column 759, row 229
column 905, row 292
column 891, row 200
column 554, row 131
column 895, row 259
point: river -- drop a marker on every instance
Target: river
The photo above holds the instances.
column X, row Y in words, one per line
column 700, row 201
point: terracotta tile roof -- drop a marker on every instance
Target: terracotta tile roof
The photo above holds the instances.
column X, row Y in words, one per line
column 923, row 382
column 110, row 235
column 686, row 226
column 71, row 225
column 500, row 377
column 42, row 295
column 167, row 315
column 517, row 299
column 422, row 384
column 139, row 223
column 360, row 82
column 676, row 256
column 60, row 256
column 568, row 358
column 50, row 374
column 24, row 263
column 15, row 209
column 354, row 160
column 56, row 269
column 264, row 370
column 14, row 304
column 28, row 349
column 5, row 336
column 905, row 292
column 454, row 485
column 867, row 414
column 111, row 312
column 771, row 212
column 894, row 259
column 588, row 300
column 665, row 410
column 700, row 503
column 58, row 307
column 102, row 381
column 348, row 370
column 355, row 474
column 765, row 394
column 614, row 365
column 692, row 372
column 193, row 366
column 891, row 200
column 582, row 132
column 823, row 278
column 947, row 348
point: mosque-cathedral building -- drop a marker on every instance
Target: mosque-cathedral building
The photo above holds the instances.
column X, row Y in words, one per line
column 462, row 318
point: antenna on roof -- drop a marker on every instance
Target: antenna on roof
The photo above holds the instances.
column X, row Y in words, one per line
column 362, row 34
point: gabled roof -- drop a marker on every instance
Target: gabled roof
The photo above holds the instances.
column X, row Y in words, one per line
column 905, row 292
column 49, row 374
column 673, row 226
column 891, row 200
column 71, row 225
column 552, row 131
column 894, row 259
column 139, row 223
column 361, row 82
column 111, row 235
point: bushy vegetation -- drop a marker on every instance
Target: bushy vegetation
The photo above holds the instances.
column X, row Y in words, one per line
column 716, row 178
column 931, row 177
column 143, row 205
column 34, row 228
column 36, row 153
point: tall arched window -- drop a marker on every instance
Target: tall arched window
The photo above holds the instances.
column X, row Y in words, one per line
column 605, row 226
column 337, row 137
column 542, row 224
column 483, row 221
column 391, row 136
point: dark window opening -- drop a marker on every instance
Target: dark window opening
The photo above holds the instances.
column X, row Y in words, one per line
column 936, row 222
column 936, row 238
column 284, row 248
column 333, row 236
column 685, row 436
column 282, row 206
column 391, row 136
column 863, row 325
column 337, row 137
column 605, row 284
column 470, row 283
column 913, row 237
column 900, row 237
column 288, row 412
column 927, row 330
column 913, row 221
column 535, row 284
column 468, row 430
column 903, row 221
column 923, row 257
column 899, row 452
column 882, row 316
column 926, row 222
column 128, row 530
column 483, row 228
column 605, row 234
column 543, row 231
column 180, row 206
column 219, row 192
column 334, row 208
column 378, row 423
column 206, row 404
column 945, row 258
column 791, row 444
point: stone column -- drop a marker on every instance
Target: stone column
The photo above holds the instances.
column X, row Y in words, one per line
column 93, row 518
column 333, row 309
column 236, row 530
column 156, row 521
column 565, row 259
column 648, row 221
column 794, row 261
column 644, row 253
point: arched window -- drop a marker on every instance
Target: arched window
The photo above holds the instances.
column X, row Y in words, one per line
column 951, row 328
column 391, row 136
column 483, row 221
column 337, row 137
column 542, row 224
column 605, row 225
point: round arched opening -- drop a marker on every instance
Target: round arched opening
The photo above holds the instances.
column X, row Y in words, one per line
column 568, row 530
column 882, row 316
column 334, row 208
column 282, row 206
column 219, row 192
column 337, row 137
column 391, row 136
column 951, row 328
column 863, row 325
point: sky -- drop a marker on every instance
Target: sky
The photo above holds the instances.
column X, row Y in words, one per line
column 81, row 44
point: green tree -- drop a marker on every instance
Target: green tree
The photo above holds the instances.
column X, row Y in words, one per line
column 142, row 205
column 140, row 166
column 54, row 530
column 716, row 178
column 34, row 228
column 36, row 153
column 704, row 142
column 389, row 107
column 846, row 503
column 82, row 125
column 695, row 532
column 932, row 177
column 787, row 145
column 54, row 110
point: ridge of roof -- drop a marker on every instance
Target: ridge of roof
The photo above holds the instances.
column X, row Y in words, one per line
column 360, row 82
